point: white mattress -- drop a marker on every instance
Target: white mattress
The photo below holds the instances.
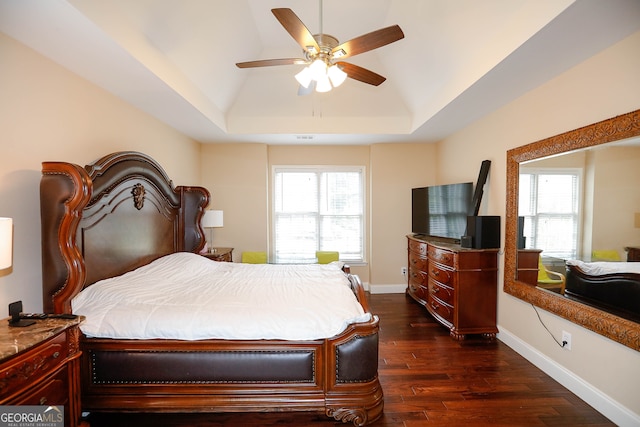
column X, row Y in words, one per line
column 605, row 267
column 186, row 296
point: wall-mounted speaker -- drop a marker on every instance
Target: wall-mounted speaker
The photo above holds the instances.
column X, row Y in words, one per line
column 484, row 232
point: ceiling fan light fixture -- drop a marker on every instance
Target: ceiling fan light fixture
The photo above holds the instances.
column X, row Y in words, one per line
column 336, row 75
column 304, row 77
column 323, row 84
column 318, row 69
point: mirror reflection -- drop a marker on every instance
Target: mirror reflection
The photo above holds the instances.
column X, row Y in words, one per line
column 579, row 226
column 594, row 218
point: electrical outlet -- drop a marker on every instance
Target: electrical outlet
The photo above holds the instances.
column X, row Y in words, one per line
column 403, row 271
column 566, row 340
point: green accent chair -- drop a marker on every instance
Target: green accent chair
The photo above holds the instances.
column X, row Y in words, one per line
column 605, row 255
column 254, row 257
column 548, row 279
column 325, row 257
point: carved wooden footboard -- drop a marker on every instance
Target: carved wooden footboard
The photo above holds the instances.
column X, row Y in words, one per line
column 122, row 212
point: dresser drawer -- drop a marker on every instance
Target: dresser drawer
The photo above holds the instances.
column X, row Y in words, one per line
column 441, row 256
column 442, row 275
column 418, row 247
column 419, row 292
column 419, row 277
column 443, row 293
column 417, row 263
column 33, row 365
column 53, row 391
column 441, row 309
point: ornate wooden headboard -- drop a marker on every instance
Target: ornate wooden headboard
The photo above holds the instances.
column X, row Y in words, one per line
column 110, row 217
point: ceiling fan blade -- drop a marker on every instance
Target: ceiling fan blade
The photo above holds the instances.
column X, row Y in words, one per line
column 367, row 42
column 270, row 62
column 296, row 28
column 361, row 74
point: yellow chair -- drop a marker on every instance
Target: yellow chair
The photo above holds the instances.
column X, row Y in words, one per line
column 254, row 257
column 548, row 279
column 605, row 255
column 325, row 257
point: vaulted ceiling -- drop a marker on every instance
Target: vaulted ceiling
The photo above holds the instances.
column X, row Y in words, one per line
column 459, row 60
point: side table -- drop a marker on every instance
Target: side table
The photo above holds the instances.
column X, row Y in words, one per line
column 219, row 254
column 40, row 365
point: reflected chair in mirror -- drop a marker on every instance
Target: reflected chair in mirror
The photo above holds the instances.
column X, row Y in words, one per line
column 254, row 257
column 549, row 279
column 325, row 257
column 605, row 255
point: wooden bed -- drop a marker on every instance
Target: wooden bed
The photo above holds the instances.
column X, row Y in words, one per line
column 122, row 212
column 615, row 292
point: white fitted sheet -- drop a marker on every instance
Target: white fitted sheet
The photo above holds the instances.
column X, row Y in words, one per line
column 601, row 268
column 186, row 296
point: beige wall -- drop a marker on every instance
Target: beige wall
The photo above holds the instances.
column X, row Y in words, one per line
column 602, row 87
column 49, row 114
column 617, row 199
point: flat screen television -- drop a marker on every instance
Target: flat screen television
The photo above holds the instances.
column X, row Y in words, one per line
column 441, row 210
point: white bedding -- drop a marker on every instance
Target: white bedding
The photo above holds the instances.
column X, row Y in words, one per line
column 605, row 267
column 186, row 296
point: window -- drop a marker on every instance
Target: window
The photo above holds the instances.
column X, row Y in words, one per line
column 549, row 202
column 318, row 209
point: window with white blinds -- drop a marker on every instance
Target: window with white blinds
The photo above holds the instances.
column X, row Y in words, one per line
column 317, row 209
column 549, row 201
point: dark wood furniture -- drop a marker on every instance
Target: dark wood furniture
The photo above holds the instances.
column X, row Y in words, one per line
column 618, row 293
column 633, row 253
column 122, row 212
column 458, row 286
column 39, row 365
column 219, row 254
column 527, row 269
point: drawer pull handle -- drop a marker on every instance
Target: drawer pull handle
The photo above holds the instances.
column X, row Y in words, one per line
column 43, row 400
column 435, row 272
column 436, row 290
column 435, row 306
column 56, row 354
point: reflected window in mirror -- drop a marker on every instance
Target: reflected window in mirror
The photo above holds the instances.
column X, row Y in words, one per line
column 549, row 202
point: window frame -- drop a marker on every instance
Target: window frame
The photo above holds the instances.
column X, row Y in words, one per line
column 579, row 194
column 318, row 169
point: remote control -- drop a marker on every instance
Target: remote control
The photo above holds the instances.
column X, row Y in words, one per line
column 33, row 316
column 62, row 316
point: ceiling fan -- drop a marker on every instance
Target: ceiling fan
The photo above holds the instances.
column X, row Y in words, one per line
column 323, row 54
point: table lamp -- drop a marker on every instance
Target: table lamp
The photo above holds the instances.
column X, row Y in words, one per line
column 212, row 219
column 6, row 242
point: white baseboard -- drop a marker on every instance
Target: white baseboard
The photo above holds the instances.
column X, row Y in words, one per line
column 603, row 403
column 387, row 289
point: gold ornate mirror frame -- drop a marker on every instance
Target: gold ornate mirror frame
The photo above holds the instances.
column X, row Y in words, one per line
column 616, row 328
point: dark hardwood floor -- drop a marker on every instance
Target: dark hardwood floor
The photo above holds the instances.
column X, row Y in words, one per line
column 428, row 380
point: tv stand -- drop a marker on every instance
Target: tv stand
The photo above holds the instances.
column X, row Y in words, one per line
column 457, row 286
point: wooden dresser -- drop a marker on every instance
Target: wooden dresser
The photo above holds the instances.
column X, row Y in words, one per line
column 458, row 286
column 39, row 365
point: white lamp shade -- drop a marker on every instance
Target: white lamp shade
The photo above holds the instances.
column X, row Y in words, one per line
column 304, row 77
column 336, row 75
column 212, row 219
column 323, row 84
column 6, row 242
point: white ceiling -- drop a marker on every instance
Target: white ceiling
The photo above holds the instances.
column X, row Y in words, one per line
column 459, row 60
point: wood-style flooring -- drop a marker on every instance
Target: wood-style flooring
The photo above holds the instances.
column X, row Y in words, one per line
column 428, row 380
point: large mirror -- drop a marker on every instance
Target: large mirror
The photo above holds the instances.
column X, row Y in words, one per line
column 613, row 326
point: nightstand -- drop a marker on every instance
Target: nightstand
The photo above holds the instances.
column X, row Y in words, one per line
column 220, row 254
column 40, row 365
